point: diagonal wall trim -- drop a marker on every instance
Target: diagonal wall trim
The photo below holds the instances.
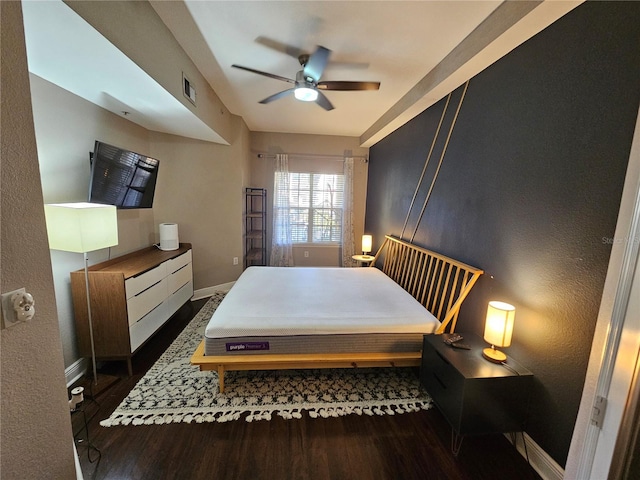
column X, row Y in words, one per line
column 444, row 151
column 426, row 164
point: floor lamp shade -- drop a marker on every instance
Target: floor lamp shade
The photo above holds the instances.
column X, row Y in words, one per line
column 81, row 227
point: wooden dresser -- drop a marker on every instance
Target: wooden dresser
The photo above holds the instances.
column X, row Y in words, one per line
column 131, row 298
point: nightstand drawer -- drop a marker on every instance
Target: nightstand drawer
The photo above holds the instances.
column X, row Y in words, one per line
column 473, row 394
column 443, row 382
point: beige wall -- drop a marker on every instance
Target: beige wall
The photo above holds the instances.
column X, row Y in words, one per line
column 136, row 29
column 35, row 423
column 200, row 184
column 311, row 149
column 66, row 128
column 200, row 187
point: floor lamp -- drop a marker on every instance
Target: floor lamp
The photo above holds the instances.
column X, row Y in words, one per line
column 82, row 228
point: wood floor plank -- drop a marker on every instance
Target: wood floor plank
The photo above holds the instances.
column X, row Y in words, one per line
column 403, row 446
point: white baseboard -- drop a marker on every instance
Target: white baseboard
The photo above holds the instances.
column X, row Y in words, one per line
column 540, row 460
column 207, row 292
column 79, row 475
column 74, row 371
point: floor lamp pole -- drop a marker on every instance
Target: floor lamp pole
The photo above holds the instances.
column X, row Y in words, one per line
column 93, row 348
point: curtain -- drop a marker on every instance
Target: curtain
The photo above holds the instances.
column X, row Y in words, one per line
column 348, row 242
column 281, row 245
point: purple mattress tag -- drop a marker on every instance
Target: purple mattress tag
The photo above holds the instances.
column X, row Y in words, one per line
column 246, row 346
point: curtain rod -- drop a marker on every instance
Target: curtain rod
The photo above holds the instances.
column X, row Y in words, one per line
column 317, row 155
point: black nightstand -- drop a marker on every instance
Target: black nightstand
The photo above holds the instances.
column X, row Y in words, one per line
column 475, row 395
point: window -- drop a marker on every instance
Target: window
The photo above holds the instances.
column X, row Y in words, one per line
column 315, row 203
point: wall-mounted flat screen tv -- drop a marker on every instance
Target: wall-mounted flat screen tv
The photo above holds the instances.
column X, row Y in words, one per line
column 122, row 178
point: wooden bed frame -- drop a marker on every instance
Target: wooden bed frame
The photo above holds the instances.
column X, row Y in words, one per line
column 438, row 282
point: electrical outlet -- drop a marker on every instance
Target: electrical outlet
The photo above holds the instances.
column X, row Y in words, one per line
column 9, row 316
column 235, row 260
column 306, row 254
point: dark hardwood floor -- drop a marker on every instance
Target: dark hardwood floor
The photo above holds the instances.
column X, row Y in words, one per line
column 406, row 446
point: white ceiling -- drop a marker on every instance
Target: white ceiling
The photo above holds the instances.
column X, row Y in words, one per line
column 418, row 50
column 395, row 43
column 65, row 50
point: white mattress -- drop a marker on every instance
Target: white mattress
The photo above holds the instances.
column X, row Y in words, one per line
column 281, row 301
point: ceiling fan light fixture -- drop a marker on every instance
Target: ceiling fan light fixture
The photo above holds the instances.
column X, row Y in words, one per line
column 306, row 94
column 307, row 82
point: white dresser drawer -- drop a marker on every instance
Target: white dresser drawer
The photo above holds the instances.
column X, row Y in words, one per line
column 135, row 285
column 139, row 305
column 177, row 263
column 140, row 331
column 177, row 279
column 180, row 297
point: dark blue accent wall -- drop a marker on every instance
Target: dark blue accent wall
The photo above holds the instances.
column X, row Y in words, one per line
column 529, row 190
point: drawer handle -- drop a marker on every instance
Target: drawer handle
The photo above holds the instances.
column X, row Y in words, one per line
column 147, row 314
column 176, row 271
column 442, row 357
column 180, row 287
column 139, row 274
column 439, row 381
column 148, row 288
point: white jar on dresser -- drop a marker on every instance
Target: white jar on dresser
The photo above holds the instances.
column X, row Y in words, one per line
column 131, row 298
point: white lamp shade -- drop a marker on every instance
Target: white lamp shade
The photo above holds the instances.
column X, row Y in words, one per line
column 81, row 227
column 498, row 328
column 367, row 243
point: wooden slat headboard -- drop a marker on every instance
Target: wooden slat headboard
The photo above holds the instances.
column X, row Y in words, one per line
column 438, row 282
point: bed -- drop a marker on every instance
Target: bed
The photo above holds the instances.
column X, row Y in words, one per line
column 286, row 318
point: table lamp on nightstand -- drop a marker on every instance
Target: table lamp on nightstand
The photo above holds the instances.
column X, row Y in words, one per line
column 367, row 244
column 498, row 330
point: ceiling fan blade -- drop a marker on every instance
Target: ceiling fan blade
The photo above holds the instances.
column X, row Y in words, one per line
column 324, row 102
column 270, row 75
column 347, row 86
column 290, row 50
column 317, row 63
column 333, row 64
column 277, row 96
column 296, row 52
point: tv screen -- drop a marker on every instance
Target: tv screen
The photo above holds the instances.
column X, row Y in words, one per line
column 122, row 178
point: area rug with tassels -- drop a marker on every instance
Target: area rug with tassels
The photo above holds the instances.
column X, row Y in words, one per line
column 175, row 391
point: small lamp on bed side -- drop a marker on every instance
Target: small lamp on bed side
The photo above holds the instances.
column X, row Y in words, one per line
column 82, row 228
column 367, row 244
column 498, row 330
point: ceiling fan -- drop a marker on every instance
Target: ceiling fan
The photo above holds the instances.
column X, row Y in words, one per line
column 307, row 83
